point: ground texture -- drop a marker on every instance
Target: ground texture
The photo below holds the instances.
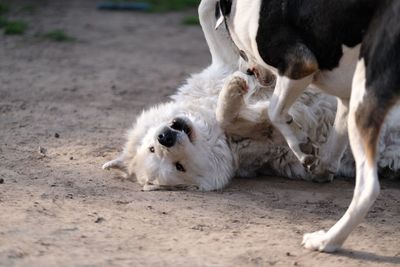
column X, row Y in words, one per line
column 74, row 102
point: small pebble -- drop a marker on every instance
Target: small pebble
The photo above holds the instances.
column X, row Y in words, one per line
column 99, row 220
column 287, row 253
column 42, row 151
column 1, row 181
column 57, row 135
column 71, row 158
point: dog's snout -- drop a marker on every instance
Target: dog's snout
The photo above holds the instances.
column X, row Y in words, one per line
column 250, row 72
column 167, row 138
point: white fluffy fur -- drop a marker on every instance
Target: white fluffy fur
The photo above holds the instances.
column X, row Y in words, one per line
column 232, row 134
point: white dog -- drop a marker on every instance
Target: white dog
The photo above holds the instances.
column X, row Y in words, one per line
column 216, row 127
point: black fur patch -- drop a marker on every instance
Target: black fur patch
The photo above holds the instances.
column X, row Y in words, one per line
column 217, row 11
column 226, row 7
column 381, row 51
column 312, row 31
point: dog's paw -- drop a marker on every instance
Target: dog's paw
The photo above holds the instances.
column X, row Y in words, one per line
column 320, row 172
column 310, row 162
column 323, row 173
column 237, row 84
column 319, row 241
column 309, row 147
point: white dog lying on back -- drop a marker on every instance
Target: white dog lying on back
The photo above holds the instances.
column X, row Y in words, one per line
column 216, row 127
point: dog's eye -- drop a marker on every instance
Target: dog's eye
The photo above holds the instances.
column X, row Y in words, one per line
column 179, row 167
column 243, row 55
column 152, row 149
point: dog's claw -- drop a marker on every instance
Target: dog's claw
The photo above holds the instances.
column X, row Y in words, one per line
column 313, row 165
column 239, row 84
column 310, row 162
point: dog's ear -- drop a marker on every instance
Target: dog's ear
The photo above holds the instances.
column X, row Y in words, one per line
column 119, row 164
column 125, row 161
column 151, row 187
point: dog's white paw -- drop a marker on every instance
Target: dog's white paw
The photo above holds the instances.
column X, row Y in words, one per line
column 237, row 84
column 319, row 241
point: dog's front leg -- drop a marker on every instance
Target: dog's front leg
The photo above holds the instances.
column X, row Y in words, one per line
column 332, row 151
column 285, row 94
column 231, row 100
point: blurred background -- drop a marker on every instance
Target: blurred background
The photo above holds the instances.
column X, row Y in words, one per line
column 123, row 38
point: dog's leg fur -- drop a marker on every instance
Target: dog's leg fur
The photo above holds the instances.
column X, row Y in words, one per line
column 332, row 151
column 285, row 94
column 235, row 116
column 230, row 100
column 221, row 48
column 365, row 120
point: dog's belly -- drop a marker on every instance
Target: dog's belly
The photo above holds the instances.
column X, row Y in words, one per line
column 338, row 81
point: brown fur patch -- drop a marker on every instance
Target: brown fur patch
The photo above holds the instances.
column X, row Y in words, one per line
column 249, row 129
column 370, row 116
column 299, row 68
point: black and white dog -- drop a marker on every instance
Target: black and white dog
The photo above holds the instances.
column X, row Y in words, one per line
column 347, row 48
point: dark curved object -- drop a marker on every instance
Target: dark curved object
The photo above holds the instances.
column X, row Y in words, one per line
column 139, row 6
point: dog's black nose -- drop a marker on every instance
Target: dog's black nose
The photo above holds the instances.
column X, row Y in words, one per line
column 167, row 138
column 250, row 72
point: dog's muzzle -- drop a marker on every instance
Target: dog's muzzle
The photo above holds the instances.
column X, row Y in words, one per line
column 167, row 137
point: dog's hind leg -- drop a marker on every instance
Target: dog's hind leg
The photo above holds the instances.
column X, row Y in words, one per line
column 332, row 151
column 221, row 48
column 367, row 113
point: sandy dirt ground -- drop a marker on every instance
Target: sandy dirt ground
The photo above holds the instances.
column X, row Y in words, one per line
column 75, row 100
